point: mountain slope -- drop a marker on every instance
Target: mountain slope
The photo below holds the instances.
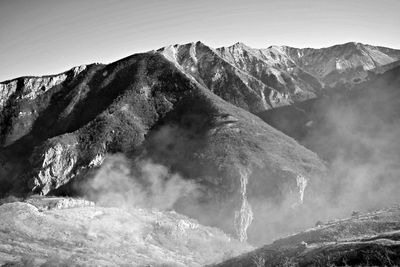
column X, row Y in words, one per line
column 262, row 79
column 370, row 239
column 275, row 69
column 224, row 79
column 144, row 106
column 346, row 63
column 188, row 108
column 73, row 232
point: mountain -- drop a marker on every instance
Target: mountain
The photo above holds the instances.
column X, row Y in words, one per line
column 58, row 130
column 201, row 119
column 262, row 79
column 213, row 71
column 347, row 63
column 368, row 239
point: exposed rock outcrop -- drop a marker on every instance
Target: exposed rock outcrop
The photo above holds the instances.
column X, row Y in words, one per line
column 56, row 164
column 29, row 88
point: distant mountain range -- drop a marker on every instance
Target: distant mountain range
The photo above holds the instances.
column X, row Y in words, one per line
column 199, row 111
column 260, row 79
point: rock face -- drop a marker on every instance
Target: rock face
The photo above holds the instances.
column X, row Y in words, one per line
column 20, row 101
column 55, row 166
column 188, row 107
column 370, row 239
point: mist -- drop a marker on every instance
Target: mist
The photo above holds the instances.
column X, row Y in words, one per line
column 122, row 182
column 360, row 136
column 356, row 132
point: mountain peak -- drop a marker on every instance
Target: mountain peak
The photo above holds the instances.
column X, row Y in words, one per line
column 352, row 45
column 237, row 46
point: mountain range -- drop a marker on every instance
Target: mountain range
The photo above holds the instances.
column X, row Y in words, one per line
column 254, row 140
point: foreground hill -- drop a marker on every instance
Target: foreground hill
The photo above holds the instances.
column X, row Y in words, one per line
column 369, row 239
column 73, row 232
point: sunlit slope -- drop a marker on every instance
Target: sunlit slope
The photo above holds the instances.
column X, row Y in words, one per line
column 59, row 231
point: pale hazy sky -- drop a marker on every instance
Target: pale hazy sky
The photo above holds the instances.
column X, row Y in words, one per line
column 49, row 36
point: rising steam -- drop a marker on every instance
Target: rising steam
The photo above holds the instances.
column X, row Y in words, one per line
column 123, row 183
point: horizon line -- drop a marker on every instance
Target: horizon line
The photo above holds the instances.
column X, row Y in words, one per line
column 198, row 41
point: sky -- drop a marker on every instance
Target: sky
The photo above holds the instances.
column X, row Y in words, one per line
column 39, row 37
